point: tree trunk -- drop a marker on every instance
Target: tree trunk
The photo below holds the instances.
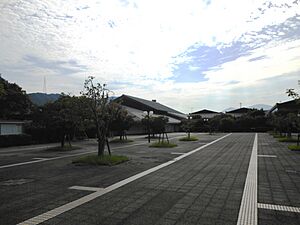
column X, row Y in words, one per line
column 101, row 146
column 62, row 141
column 167, row 138
column 108, row 147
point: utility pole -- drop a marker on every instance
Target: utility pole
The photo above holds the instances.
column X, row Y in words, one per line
column 240, row 105
column 45, row 86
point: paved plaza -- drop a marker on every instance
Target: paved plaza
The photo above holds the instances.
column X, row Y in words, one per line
column 238, row 178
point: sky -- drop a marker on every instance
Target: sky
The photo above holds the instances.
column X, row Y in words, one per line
column 186, row 54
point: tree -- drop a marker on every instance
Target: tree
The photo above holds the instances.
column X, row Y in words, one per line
column 122, row 122
column 157, row 125
column 64, row 117
column 292, row 93
column 101, row 109
column 14, row 103
column 187, row 125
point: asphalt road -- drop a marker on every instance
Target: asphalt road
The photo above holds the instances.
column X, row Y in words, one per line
column 205, row 187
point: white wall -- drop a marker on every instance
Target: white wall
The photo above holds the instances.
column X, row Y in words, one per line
column 9, row 129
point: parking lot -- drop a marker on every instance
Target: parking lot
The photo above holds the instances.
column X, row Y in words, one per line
column 239, row 178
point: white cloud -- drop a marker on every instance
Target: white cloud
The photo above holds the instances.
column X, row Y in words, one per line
column 141, row 41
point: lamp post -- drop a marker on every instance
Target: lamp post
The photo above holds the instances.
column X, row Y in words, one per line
column 189, row 126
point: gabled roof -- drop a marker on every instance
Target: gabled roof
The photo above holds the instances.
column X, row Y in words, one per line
column 240, row 110
column 205, row 111
column 288, row 105
column 146, row 105
column 139, row 115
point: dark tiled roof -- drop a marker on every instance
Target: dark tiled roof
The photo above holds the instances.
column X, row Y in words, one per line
column 206, row 111
column 150, row 105
column 241, row 110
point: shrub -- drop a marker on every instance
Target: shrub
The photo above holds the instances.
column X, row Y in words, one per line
column 192, row 138
column 294, row 147
column 287, row 139
column 106, row 160
column 15, row 140
column 162, row 145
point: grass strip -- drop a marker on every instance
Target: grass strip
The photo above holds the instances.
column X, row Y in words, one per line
column 162, row 145
column 294, row 147
column 106, row 160
column 191, row 138
column 287, row 139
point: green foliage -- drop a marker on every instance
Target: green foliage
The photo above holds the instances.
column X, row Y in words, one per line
column 62, row 118
column 121, row 122
column 292, row 93
column 287, row 139
column 285, row 123
column 191, row 138
column 294, row 147
column 102, row 110
column 108, row 160
column 162, row 145
column 157, row 125
column 14, row 103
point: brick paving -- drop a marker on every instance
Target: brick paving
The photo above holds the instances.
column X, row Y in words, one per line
column 278, row 181
column 204, row 188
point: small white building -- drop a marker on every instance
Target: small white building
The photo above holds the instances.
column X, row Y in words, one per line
column 9, row 127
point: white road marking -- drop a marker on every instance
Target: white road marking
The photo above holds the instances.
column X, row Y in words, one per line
column 267, row 156
column 39, row 158
column 279, row 207
column 25, row 149
column 248, row 208
column 177, row 153
column 291, row 171
column 66, row 156
column 82, row 188
column 71, row 205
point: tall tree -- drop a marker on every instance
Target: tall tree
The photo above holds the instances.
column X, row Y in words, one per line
column 101, row 108
column 14, row 103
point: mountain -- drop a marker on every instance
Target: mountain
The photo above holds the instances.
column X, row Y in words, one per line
column 229, row 109
column 256, row 106
column 41, row 99
column 260, row 106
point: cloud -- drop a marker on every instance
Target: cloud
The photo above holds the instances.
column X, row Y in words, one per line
column 60, row 67
column 188, row 48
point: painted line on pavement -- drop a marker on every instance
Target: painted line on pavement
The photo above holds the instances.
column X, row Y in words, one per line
column 71, row 205
column 66, row 156
column 24, row 149
column 82, row 188
column 267, row 156
column 248, row 208
column 279, row 207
